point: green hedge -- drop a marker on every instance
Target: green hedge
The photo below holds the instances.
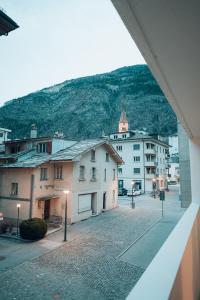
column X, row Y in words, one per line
column 33, row 229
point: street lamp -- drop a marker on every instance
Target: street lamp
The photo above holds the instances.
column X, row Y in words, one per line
column 154, row 187
column 132, row 203
column 66, row 192
column 18, row 207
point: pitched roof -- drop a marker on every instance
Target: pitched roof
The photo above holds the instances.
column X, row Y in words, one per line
column 82, row 147
column 68, row 154
column 29, row 162
column 123, row 117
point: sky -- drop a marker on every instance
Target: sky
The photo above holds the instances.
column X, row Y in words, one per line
column 60, row 40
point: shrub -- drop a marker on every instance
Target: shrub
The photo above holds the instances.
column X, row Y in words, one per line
column 33, row 229
column 6, row 226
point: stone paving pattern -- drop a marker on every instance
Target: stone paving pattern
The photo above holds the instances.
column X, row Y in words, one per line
column 86, row 267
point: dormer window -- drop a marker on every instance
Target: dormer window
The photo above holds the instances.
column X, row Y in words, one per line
column 92, row 155
column 42, row 147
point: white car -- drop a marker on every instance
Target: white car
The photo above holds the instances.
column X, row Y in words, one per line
column 135, row 192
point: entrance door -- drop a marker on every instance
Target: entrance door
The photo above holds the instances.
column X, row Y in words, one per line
column 46, row 209
column 104, row 201
column 120, row 184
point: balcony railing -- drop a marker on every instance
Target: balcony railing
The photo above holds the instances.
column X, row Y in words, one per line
column 150, row 151
column 174, row 273
column 149, row 175
column 151, row 163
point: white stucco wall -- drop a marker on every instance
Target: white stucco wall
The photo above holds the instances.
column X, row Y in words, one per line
column 99, row 187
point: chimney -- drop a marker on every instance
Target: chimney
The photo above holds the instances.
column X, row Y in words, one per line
column 33, row 131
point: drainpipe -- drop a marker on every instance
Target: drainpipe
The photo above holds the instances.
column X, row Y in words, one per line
column 144, row 167
column 31, row 196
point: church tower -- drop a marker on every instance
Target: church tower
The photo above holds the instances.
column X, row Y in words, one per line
column 123, row 122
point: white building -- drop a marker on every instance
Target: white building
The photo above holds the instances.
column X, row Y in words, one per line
column 144, row 156
column 4, row 135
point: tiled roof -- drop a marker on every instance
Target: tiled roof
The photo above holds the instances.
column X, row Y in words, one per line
column 76, row 150
column 68, row 154
column 31, row 162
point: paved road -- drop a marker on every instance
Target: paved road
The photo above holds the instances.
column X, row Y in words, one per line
column 91, row 265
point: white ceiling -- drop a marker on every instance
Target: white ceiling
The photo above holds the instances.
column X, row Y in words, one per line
column 167, row 33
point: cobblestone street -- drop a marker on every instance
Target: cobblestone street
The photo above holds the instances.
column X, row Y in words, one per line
column 91, row 265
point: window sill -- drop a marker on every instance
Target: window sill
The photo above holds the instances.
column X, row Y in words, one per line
column 81, row 179
column 43, row 179
column 93, row 180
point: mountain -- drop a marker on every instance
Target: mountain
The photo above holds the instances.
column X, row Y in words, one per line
column 83, row 107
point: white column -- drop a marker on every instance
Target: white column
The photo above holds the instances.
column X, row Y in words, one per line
column 195, row 169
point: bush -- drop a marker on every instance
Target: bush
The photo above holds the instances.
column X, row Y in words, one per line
column 6, row 226
column 33, row 229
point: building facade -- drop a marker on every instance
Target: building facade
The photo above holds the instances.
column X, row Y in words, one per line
column 87, row 169
column 145, row 158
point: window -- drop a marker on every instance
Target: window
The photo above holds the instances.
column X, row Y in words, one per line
column 123, row 136
column 107, row 157
column 136, row 146
column 93, row 178
column 114, row 174
column 105, row 175
column 43, row 174
column 42, row 147
column 92, row 155
column 15, row 149
column 119, row 170
column 136, row 170
column 82, row 173
column 151, row 170
column 136, row 158
column 119, row 148
column 115, row 136
column 14, row 189
column 58, row 172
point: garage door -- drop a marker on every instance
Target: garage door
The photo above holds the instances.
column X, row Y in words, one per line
column 84, row 202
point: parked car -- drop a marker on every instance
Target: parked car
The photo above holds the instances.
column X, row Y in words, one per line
column 122, row 192
column 135, row 192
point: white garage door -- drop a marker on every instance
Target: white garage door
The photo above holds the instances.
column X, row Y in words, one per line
column 84, row 203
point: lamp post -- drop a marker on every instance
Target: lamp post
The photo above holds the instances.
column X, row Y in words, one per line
column 154, row 187
column 66, row 192
column 18, row 207
column 132, row 203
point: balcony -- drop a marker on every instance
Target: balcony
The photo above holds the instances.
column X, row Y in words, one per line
column 151, row 151
column 149, row 175
column 151, row 163
column 178, row 259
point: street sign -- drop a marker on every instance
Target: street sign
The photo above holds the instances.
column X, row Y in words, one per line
column 162, row 195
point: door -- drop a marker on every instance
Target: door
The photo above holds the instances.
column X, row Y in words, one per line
column 120, row 184
column 46, row 209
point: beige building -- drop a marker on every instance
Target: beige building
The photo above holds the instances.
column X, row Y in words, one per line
column 88, row 169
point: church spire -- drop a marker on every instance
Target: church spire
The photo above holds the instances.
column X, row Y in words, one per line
column 123, row 122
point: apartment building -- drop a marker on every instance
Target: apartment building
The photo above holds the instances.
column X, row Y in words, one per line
column 37, row 180
column 145, row 157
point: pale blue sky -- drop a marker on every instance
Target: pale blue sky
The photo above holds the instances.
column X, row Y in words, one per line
column 59, row 40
